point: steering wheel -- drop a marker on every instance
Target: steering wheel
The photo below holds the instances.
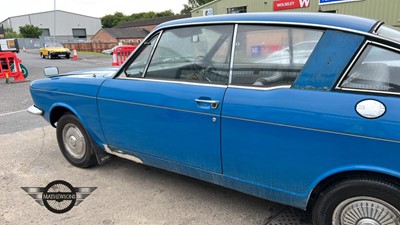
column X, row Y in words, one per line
column 204, row 68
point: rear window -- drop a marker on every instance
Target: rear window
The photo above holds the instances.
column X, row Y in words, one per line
column 378, row 69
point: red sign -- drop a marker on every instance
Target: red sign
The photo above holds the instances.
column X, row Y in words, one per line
column 290, row 4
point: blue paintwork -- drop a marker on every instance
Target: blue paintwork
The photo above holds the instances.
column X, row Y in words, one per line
column 328, row 60
column 170, row 125
column 322, row 19
column 275, row 144
column 283, row 138
column 76, row 93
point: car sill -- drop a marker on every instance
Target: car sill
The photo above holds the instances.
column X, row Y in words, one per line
column 122, row 154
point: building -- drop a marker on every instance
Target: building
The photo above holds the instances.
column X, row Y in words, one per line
column 67, row 24
column 120, row 35
column 385, row 10
column 132, row 32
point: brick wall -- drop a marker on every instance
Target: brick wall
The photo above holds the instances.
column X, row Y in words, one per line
column 103, row 36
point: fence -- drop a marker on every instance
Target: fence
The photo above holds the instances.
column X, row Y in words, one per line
column 29, row 43
column 90, row 46
column 68, row 42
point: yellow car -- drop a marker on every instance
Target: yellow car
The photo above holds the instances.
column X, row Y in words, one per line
column 54, row 50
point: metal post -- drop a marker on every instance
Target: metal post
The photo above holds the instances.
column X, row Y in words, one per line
column 54, row 38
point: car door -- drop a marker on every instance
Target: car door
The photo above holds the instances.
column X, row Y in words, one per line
column 166, row 102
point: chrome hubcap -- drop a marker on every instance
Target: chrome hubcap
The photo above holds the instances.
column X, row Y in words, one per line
column 365, row 211
column 74, row 141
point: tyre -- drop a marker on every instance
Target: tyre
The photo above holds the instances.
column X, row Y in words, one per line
column 41, row 55
column 74, row 142
column 50, row 57
column 68, row 56
column 358, row 202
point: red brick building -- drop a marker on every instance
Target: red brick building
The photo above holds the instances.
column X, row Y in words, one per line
column 132, row 33
column 120, row 35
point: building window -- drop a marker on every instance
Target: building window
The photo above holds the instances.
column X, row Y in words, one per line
column 327, row 11
column 241, row 9
column 45, row 32
column 79, row 32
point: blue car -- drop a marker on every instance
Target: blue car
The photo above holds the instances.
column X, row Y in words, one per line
column 318, row 129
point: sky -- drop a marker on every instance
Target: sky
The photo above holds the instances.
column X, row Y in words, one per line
column 95, row 8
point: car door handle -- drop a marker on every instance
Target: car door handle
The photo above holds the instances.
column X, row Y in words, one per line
column 214, row 103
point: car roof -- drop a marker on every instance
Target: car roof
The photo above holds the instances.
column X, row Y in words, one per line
column 313, row 19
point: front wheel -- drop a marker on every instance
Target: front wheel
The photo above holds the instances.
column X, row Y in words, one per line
column 358, row 202
column 74, row 142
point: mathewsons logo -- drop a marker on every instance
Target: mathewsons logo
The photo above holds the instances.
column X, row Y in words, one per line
column 290, row 4
column 59, row 196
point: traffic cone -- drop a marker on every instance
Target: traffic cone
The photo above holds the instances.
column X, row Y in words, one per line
column 75, row 55
column 114, row 60
column 7, row 79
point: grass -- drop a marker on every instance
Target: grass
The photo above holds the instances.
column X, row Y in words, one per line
column 91, row 53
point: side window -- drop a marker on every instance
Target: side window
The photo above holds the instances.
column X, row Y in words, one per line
column 137, row 67
column 377, row 69
column 193, row 54
column 267, row 56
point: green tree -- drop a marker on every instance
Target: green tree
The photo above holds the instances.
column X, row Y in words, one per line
column 30, row 31
column 10, row 33
column 109, row 21
column 117, row 18
column 192, row 4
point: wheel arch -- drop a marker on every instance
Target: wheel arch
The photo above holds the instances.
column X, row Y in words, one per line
column 58, row 110
column 345, row 175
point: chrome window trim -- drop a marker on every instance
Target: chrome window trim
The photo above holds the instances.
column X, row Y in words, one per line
column 369, row 34
column 233, row 49
column 376, row 27
column 207, row 85
column 260, row 88
column 237, row 23
column 354, row 61
column 172, row 82
column 309, row 129
column 152, row 53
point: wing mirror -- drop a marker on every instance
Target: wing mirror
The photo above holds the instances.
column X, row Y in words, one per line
column 50, row 71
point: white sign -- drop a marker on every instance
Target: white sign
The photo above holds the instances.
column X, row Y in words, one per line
column 327, row 2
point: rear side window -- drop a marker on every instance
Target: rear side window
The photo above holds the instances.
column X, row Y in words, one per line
column 267, row 56
column 378, row 69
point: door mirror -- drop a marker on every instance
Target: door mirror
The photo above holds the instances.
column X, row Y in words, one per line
column 50, row 71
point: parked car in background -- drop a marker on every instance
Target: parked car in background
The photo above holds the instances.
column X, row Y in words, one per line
column 54, row 50
column 109, row 51
column 297, row 52
column 124, row 48
column 321, row 133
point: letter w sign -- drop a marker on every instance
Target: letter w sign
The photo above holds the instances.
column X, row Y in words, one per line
column 290, row 4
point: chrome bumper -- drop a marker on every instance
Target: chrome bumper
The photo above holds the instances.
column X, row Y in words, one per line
column 34, row 110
